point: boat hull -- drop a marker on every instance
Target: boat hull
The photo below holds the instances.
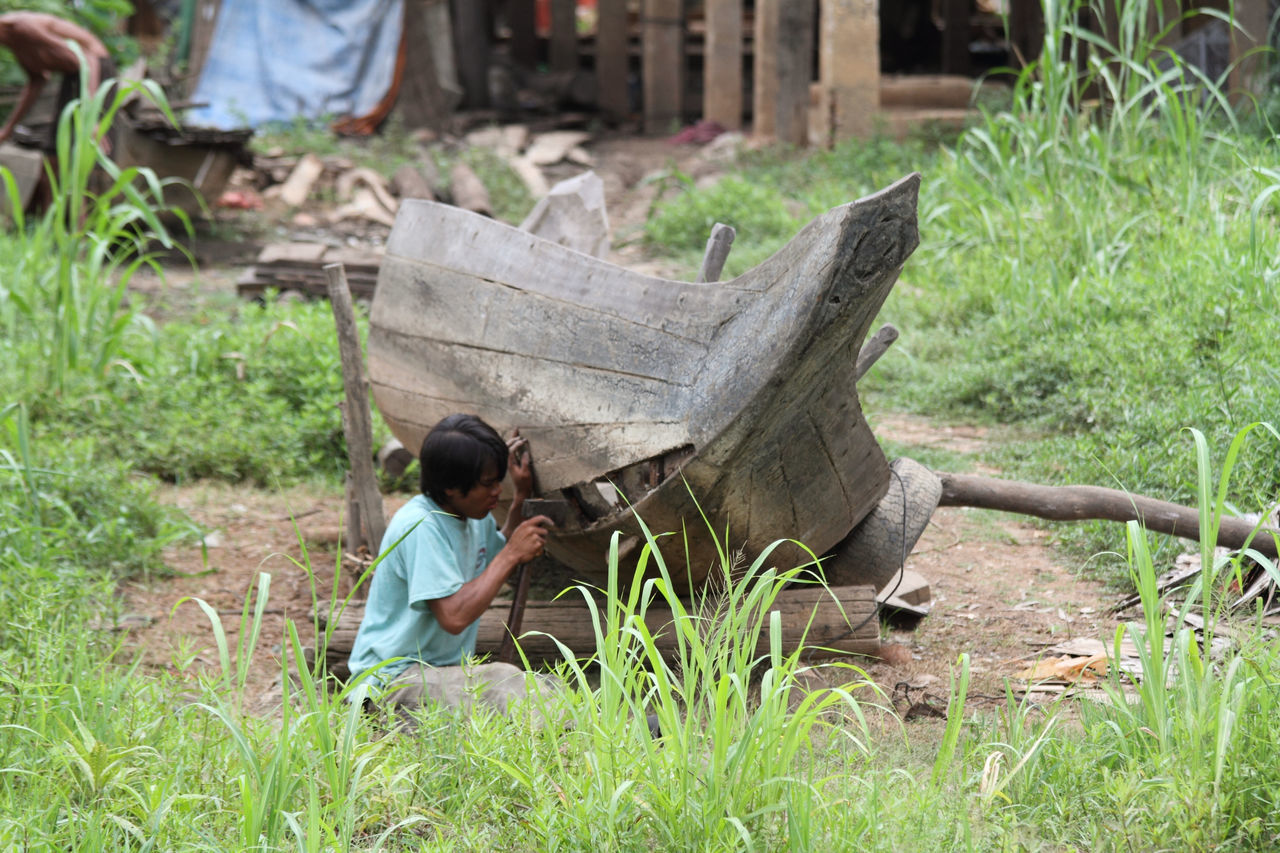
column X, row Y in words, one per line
column 734, row 402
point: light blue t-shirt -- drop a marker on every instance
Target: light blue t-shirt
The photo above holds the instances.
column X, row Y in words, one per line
column 438, row 554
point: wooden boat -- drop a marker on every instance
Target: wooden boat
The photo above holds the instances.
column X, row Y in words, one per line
column 734, row 399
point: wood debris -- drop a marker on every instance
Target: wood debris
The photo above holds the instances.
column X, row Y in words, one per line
column 300, row 267
column 297, row 188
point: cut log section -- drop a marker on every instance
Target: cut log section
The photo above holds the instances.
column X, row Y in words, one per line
column 838, row 622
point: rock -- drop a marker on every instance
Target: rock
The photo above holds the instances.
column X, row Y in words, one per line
column 573, row 215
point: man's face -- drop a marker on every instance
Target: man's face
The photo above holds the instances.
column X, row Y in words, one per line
column 479, row 500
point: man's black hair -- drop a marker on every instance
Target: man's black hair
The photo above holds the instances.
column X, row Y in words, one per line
column 456, row 453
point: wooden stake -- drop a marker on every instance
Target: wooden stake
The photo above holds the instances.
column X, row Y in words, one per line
column 356, row 421
column 849, row 59
column 717, row 252
column 876, row 346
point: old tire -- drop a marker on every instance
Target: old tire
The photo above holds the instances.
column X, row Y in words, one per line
column 873, row 552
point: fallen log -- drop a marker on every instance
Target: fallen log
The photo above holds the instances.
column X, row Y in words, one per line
column 1079, row 503
column 839, row 622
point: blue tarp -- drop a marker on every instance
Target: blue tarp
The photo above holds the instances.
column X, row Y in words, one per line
column 277, row 60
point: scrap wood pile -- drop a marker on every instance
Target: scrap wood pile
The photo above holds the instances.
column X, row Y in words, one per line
column 331, row 193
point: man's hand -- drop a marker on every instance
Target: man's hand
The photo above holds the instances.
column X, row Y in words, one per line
column 529, row 540
column 520, row 464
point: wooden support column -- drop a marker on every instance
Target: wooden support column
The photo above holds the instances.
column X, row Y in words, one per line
column 955, row 36
column 795, row 69
column 663, row 64
column 1252, row 18
column 521, row 18
column 722, row 66
column 849, row 59
column 564, row 35
column 471, row 38
column 612, row 58
column 764, row 91
column 421, row 101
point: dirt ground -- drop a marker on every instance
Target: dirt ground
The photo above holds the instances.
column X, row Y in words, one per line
column 999, row 592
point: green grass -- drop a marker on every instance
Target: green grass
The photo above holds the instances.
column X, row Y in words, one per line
column 1099, row 285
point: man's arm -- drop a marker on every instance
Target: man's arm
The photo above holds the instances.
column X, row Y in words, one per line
column 456, row 612
column 30, row 92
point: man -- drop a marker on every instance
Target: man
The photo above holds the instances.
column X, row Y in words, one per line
column 40, row 44
column 443, row 562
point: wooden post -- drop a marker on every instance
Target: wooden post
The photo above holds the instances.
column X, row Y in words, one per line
column 421, row 102
column 356, row 421
column 1252, row 20
column 722, row 65
column 795, row 70
column 1026, row 30
column 471, row 38
column 764, row 71
column 849, row 60
column 663, row 64
column 955, row 37
column 717, row 252
column 521, row 18
column 612, row 58
column 564, row 35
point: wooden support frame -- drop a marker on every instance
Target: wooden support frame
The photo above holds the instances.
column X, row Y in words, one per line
column 722, row 66
column 955, row 36
column 563, row 53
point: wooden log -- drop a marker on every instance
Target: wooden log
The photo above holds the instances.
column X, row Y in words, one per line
column 876, row 346
column 1078, row 503
column 722, row 67
column 717, row 252
column 356, row 421
column 663, row 64
column 612, row 59
column 849, row 69
column 564, row 35
column 838, row 623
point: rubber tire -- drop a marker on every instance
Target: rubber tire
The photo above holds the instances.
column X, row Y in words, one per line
column 873, row 551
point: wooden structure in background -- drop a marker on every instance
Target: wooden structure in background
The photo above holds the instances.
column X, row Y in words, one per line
column 663, row 64
column 722, row 61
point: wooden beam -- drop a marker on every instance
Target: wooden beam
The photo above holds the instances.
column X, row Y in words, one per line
column 796, row 19
column 663, row 61
column 849, row 60
column 612, row 58
column 955, row 36
column 564, row 35
column 1026, row 30
column 722, row 67
column 421, row 101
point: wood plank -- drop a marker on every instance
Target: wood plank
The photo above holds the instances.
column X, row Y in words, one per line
column 612, row 58
column 834, row 623
column 764, row 74
column 955, row 36
column 1026, row 30
column 203, row 25
column 849, row 60
column 722, row 68
column 564, row 35
column 663, row 64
